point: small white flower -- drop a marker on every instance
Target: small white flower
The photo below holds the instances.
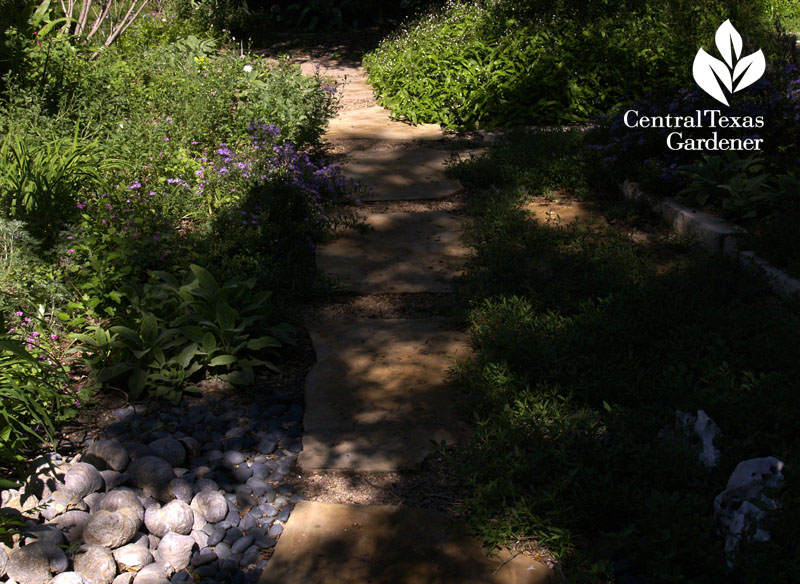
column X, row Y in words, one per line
column 121, row 125
column 248, row 68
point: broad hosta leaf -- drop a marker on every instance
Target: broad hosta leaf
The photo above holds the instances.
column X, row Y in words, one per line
column 726, row 38
column 750, row 69
column 709, row 72
column 204, row 277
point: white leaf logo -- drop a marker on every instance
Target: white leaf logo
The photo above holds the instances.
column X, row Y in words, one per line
column 734, row 73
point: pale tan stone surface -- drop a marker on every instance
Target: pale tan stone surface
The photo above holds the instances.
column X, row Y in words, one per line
column 402, row 174
column 378, row 393
column 403, row 252
column 373, row 123
column 328, row 543
column 564, row 212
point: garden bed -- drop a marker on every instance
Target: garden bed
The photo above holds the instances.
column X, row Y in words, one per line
column 715, row 235
column 591, row 341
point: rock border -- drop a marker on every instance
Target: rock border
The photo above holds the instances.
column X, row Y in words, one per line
column 714, row 234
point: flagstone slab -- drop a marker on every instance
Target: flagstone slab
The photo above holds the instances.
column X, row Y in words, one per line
column 373, row 123
column 404, row 174
column 378, row 394
column 402, row 252
column 329, row 543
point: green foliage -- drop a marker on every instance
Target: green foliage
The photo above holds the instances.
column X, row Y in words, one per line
column 41, row 178
column 585, row 352
column 740, row 187
column 174, row 330
column 33, row 386
column 507, row 63
column 787, row 12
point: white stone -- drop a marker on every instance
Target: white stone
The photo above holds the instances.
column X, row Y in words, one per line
column 175, row 550
column 744, row 505
column 707, row 430
column 132, row 557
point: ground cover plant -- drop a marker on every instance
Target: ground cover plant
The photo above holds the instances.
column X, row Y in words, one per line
column 589, row 343
column 493, row 63
column 757, row 189
column 161, row 198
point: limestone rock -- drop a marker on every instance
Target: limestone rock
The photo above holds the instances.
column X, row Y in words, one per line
column 83, row 479
column 180, row 489
column 199, row 521
column 107, row 454
column 34, row 563
column 44, row 534
column 62, row 501
column 211, row 505
column 170, row 450
column 175, row 550
column 743, row 505
column 126, row 578
column 192, row 446
column 113, row 479
column 72, row 524
column 132, row 557
column 111, row 529
column 157, row 573
column 21, row 501
column 69, row 578
column 153, row 475
column 3, row 561
column 122, row 498
column 96, row 564
column 92, row 500
column 175, row 516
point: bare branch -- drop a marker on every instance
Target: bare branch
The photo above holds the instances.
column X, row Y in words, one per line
column 99, row 22
column 84, row 15
column 122, row 26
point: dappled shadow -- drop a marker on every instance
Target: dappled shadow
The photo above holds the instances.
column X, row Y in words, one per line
column 378, row 394
column 402, row 174
column 329, row 543
column 404, row 252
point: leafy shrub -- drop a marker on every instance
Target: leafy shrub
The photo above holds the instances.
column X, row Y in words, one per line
column 738, row 186
column 41, row 178
column 33, row 385
column 174, row 330
column 642, row 153
column 504, row 63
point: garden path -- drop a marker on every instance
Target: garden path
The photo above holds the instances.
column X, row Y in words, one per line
column 377, row 398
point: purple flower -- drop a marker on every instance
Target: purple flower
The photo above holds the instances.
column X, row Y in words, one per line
column 135, row 185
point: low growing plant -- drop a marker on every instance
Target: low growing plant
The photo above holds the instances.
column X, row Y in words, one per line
column 739, row 186
column 175, row 330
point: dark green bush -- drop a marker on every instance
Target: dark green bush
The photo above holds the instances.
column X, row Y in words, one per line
column 504, row 63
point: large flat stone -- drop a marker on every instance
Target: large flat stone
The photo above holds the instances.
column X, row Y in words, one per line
column 403, row 252
column 328, row 543
column 378, row 393
column 401, row 174
column 373, row 123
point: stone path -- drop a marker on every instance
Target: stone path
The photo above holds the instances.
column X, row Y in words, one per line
column 378, row 397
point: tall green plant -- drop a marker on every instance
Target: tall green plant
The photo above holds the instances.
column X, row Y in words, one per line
column 32, row 396
column 40, row 182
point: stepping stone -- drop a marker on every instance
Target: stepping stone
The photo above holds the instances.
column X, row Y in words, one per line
column 401, row 174
column 329, row 543
column 404, row 252
column 378, row 393
column 373, row 123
